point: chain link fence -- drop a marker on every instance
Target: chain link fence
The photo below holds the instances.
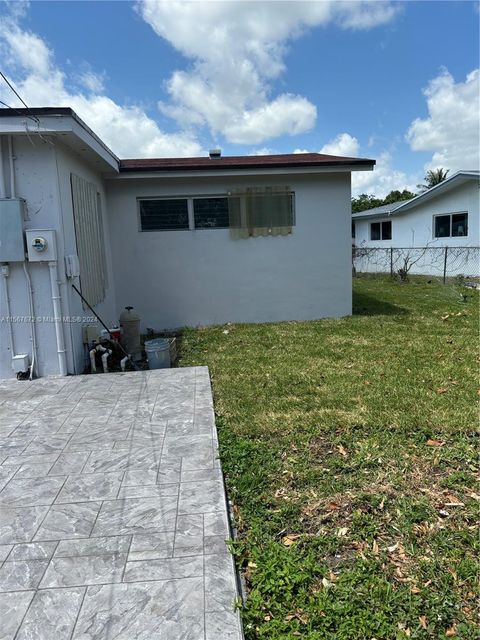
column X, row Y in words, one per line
column 443, row 263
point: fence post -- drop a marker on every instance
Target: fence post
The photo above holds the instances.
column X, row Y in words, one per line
column 391, row 261
column 445, row 266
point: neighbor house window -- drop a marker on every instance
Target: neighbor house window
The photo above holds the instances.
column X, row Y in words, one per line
column 210, row 213
column 452, row 225
column 353, row 230
column 381, row 230
column 167, row 214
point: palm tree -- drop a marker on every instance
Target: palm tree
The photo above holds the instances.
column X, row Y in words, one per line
column 433, row 177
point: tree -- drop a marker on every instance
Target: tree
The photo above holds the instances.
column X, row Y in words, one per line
column 364, row 201
column 433, row 177
column 398, row 196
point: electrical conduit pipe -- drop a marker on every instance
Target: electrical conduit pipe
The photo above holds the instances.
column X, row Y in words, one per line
column 57, row 318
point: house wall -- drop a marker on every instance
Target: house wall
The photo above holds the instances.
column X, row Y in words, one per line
column 414, row 228
column 42, row 177
column 203, row 277
column 69, row 163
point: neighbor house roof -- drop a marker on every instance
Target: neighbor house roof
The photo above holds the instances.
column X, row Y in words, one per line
column 403, row 206
column 242, row 162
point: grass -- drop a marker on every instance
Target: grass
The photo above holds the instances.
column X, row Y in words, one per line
column 349, row 448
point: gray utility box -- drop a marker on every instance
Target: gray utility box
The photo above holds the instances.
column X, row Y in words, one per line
column 12, row 244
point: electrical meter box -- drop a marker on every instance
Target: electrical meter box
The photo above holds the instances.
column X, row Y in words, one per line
column 41, row 245
column 12, row 246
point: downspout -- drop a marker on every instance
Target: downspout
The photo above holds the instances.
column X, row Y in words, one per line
column 57, row 317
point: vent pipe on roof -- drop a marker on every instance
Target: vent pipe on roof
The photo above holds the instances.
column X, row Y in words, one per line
column 215, row 153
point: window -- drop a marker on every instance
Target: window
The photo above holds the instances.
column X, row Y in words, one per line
column 353, row 230
column 381, row 230
column 452, row 225
column 210, row 213
column 249, row 212
column 164, row 215
column 262, row 211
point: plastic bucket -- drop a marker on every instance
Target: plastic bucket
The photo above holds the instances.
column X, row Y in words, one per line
column 158, row 353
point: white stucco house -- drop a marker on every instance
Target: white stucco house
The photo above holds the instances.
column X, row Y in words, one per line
column 444, row 217
column 185, row 241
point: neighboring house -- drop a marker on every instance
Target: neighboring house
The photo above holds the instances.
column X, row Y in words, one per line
column 447, row 215
column 189, row 241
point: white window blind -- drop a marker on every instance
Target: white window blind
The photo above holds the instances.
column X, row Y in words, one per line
column 89, row 235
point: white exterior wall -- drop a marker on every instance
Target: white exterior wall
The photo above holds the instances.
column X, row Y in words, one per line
column 203, row 277
column 415, row 228
column 42, row 178
column 69, row 163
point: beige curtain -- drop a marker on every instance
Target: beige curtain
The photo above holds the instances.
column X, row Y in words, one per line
column 261, row 211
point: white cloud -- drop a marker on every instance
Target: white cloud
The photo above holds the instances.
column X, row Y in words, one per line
column 126, row 129
column 383, row 179
column 237, row 50
column 451, row 131
column 343, row 145
column 92, row 81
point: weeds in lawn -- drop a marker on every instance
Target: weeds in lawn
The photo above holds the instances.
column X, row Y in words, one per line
column 350, row 453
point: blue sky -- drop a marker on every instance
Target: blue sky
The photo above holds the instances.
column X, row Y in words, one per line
column 396, row 81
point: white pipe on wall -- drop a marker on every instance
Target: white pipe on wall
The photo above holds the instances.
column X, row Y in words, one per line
column 3, row 191
column 33, row 336
column 57, row 318
column 93, row 366
column 12, row 168
column 5, row 274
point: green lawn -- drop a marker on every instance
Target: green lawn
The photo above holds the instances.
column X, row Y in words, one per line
column 350, row 451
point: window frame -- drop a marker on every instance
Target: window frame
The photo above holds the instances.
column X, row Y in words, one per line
column 450, row 216
column 381, row 223
column 191, row 213
column 208, row 197
column 139, row 214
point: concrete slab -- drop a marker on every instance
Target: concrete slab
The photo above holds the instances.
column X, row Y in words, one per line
column 113, row 515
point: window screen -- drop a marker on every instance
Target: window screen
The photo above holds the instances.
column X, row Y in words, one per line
column 459, row 224
column 164, row 215
column 210, row 213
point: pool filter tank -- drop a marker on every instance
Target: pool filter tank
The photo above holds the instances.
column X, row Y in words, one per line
column 130, row 324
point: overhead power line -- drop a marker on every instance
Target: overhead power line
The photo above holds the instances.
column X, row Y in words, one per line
column 34, row 118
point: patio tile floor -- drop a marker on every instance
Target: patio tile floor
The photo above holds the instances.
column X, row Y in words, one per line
column 113, row 515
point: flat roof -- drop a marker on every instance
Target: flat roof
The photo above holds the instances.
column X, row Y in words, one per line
column 242, row 162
